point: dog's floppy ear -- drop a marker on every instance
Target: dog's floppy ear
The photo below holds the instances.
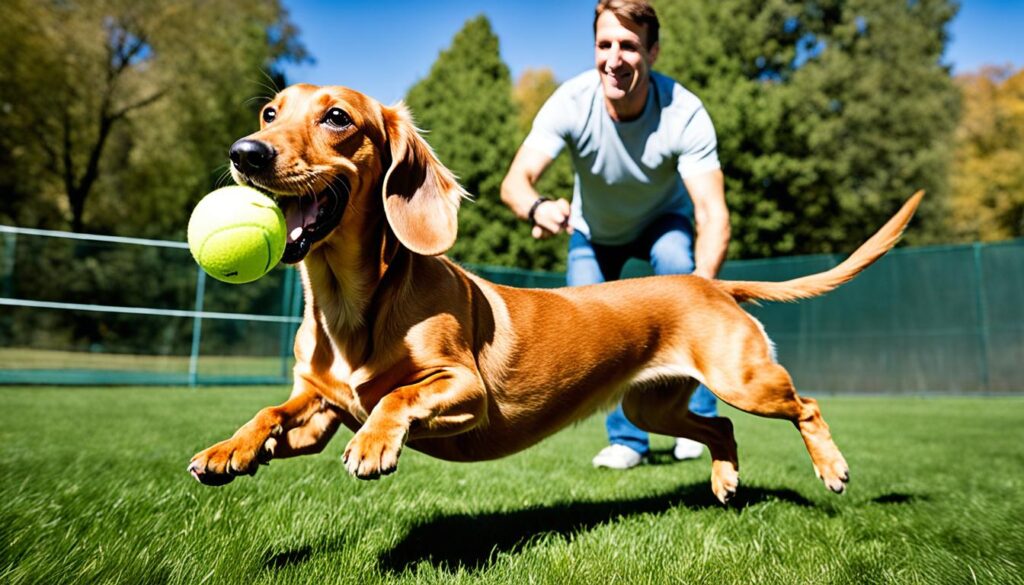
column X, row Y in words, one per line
column 421, row 196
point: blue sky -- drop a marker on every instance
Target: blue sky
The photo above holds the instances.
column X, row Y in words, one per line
column 383, row 47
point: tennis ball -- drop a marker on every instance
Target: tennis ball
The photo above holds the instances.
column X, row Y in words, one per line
column 236, row 234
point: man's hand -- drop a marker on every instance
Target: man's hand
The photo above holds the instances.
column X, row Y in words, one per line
column 550, row 218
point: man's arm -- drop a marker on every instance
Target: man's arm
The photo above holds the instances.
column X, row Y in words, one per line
column 518, row 192
column 707, row 191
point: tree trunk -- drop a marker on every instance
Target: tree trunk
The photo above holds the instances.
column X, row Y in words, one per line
column 76, row 199
column 79, row 192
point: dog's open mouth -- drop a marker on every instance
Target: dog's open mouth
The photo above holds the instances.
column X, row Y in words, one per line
column 310, row 218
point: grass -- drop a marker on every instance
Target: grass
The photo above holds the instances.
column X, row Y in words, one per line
column 94, row 489
column 31, row 359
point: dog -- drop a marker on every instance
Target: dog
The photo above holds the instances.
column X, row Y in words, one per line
column 404, row 347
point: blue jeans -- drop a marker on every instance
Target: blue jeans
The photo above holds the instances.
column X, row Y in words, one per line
column 668, row 245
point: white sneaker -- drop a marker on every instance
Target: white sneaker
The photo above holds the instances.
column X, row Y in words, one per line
column 687, row 449
column 617, row 456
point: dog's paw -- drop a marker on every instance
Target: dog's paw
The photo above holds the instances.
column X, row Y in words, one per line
column 835, row 474
column 371, row 454
column 221, row 463
column 725, row 480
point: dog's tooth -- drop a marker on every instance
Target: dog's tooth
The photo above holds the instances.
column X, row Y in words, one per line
column 296, row 233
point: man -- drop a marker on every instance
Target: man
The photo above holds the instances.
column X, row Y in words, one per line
column 645, row 156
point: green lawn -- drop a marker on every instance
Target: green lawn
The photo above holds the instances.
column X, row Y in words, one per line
column 41, row 359
column 94, row 489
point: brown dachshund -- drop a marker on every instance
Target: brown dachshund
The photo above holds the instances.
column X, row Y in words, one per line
column 406, row 348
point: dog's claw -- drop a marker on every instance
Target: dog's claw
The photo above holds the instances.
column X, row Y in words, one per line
column 729, row 495
column 837, row 483
column 371, row 455
column 211, row 479
column 725, row 480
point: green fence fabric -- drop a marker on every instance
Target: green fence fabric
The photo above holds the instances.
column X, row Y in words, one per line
column 919, row 321
column 74, row 310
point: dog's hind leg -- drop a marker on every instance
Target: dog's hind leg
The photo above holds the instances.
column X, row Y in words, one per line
column 765, row 388
column 663, row 409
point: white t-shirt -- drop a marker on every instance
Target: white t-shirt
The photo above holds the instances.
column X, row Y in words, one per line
column 627, row 173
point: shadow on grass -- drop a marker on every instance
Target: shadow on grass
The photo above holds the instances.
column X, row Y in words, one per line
column 896, row 498
column 296, row 556
column 469, row 542
column 834, row 507
column 663, row 457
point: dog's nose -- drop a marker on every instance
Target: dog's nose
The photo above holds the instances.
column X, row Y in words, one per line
column 251, row 156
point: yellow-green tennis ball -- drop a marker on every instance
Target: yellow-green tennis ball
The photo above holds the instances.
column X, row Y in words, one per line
column 236, row 234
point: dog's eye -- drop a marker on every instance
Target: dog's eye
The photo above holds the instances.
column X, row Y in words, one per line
column 269, row 115
column 337, row 118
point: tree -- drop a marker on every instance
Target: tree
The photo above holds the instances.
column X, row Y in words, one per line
column 828, row 113
column 531, row 90
column 987, row 197
column 88, row 79
column 465, row 107
column 26, row 63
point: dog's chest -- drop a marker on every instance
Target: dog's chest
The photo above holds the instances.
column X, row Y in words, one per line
column 349, row 377
column 368, row 384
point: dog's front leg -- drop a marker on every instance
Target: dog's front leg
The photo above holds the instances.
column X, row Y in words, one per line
column 443, row 403
column 255, row 441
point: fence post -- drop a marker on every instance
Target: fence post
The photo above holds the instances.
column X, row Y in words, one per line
column 197, row 327
column 7, row 268
column 982, row 308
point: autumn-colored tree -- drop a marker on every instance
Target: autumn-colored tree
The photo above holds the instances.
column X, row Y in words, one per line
column 531, row 90
column 987, row 199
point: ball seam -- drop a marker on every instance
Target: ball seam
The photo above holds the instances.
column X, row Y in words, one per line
column 266, row 240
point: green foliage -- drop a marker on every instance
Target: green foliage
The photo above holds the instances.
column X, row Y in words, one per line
column 29, row 60
column 465, row 106
column 828, row 113
column 120, row 112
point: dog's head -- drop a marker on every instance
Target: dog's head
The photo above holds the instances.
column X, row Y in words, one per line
column 331, row 153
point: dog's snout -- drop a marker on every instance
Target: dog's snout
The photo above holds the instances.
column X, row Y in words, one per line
column 250, row 156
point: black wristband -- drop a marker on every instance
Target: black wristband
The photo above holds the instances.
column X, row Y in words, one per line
column 533, row 209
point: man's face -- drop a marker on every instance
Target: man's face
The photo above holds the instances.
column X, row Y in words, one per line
column 621, row 57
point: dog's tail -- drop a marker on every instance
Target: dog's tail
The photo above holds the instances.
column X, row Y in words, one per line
column 818, row 284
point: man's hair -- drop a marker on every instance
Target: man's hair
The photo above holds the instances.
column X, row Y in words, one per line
column 637, row 11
